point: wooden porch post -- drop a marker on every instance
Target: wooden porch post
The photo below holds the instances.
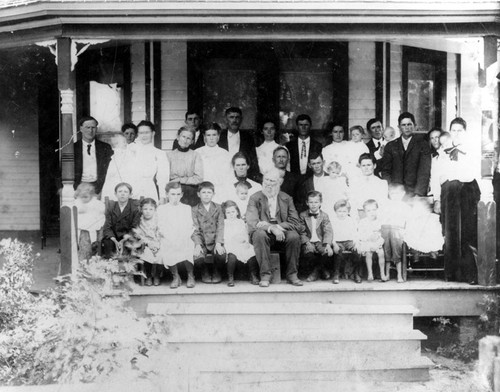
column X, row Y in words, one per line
column 66, row 85
column 487, row 216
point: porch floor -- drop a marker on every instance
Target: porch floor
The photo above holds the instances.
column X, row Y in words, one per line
column 430, row 294
column 432, row 297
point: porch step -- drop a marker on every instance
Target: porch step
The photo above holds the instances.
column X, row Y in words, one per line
column 268, row 317
column 266, row 345
column 311, row 376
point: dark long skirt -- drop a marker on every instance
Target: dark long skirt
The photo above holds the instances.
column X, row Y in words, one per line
column 459, row 219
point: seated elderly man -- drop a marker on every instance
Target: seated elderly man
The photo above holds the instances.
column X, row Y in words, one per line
column 273, row 222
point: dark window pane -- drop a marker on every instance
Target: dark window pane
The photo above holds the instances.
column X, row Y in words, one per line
column 421, row 79
column 306, row 87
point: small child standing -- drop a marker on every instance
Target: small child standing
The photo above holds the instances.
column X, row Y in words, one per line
column 208, row 234
column 237, row 244
column 397, row 213
column 90, row 211
column 241, row 199
column 423, row 230
column 335, row 187
column 176, row 227
column 344, row 236
column 316, row 238
column 370, row 239
column 149, row 236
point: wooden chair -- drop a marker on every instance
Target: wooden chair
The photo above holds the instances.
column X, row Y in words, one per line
column 409, row 266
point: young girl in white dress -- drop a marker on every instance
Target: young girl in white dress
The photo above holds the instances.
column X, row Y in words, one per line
column 370, row 239
column 236, row 242
column 149, row 237
column 176, row 226
column 423, row 230
column 335, row 188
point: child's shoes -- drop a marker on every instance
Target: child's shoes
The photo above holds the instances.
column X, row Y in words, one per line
column 216, row 277
column 205, row 275
column 190, row 281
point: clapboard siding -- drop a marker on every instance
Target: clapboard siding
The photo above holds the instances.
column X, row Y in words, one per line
column 361, row 82
column 174, row 97
column 470, row 106
column 451, row 108
column 138, row 79
column 19, row 177
column 396, row 85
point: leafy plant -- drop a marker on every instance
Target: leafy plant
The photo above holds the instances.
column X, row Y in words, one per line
column 81, row 331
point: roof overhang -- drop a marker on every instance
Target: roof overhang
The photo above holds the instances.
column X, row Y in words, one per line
column 221, row 19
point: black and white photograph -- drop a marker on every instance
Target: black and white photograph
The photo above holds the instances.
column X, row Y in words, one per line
column 249, row 195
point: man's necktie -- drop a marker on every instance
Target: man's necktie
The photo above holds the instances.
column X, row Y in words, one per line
column 303, row 151
column 313, row 215
column 88, row 148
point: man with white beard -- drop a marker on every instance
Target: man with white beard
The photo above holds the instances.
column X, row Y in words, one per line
column 273, row 222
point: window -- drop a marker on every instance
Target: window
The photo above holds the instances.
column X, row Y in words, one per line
column 424, row 86
column 270, row 80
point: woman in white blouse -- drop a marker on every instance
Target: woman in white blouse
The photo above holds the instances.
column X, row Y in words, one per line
column 266, row 149
column 149, row 166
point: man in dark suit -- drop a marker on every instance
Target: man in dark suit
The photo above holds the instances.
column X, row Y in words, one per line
column 92, row 156
column 281, row 157
column 273, row 221
column 234, row 141
column 407, row 160
column 193, row 120
column 301, row 148
column 376, row 130
column 376, row 144
column 315, row 182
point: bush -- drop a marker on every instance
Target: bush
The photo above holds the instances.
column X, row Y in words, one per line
column 80, row 331
column 488, row 324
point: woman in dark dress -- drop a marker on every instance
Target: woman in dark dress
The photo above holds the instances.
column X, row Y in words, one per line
column 459, row 197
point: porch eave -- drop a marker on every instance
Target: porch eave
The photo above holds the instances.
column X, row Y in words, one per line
column 189, row 29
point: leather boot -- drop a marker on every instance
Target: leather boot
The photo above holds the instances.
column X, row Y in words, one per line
column 253, row 268
column 190, row 280
column 314, row 275
column 176, row 279
column 205, row 275
column 216, row 277
column 231, row 266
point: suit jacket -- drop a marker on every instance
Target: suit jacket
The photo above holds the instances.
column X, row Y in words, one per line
column 412, row 167
column 303, row 189
column 258, row 211
column 293, row 148
column 103, row 152
column 290, row 184
column 247, row 146
column 209, row 226
column 323, row 228
column 119, row 223
column 373, row 148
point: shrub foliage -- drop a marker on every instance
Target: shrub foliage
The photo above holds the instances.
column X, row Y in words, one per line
column 80, row 331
